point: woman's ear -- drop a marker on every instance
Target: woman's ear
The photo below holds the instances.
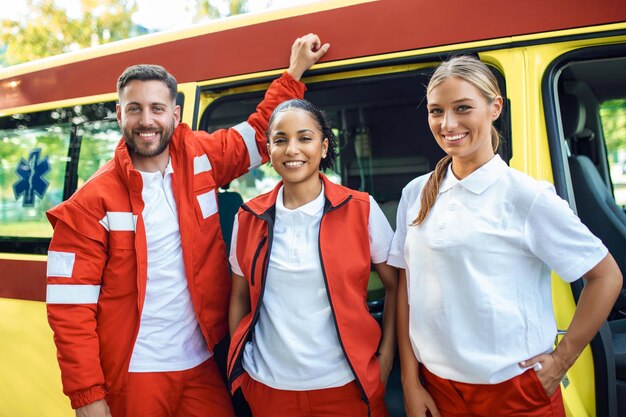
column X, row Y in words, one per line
column 496, row 107
column 324, row 148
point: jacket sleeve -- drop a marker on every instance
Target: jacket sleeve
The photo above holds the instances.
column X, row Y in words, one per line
column 232, row 152
column 76, row 260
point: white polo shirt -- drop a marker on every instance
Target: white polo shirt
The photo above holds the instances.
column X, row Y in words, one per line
column 169, row 336
column 478, row 270
column 295, row 344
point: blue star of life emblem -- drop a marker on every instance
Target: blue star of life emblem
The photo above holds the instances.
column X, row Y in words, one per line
column 32, row 181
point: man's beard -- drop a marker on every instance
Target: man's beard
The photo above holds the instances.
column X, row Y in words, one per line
column 164, row 141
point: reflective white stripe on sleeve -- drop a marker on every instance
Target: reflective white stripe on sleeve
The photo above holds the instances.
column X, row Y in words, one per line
column 248, row 134
column 201, row 164
column 60, row 264
column 72, row 294
column 208, row 203
column 119, row 221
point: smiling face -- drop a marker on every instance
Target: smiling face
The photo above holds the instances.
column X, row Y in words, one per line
column 296, row 146
column 147, row 116
column 460, row 118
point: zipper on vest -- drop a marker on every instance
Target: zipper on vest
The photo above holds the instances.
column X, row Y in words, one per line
column 332, row 309
column 256, row 256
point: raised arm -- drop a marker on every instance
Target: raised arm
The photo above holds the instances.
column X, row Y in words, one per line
column 305, row 52
column 232, row 152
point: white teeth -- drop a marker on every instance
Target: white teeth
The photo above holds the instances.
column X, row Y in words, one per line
column 147, row 134
column 294, row 163
column 456, row 137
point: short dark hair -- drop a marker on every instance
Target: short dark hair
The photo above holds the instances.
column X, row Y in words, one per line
column 322, row 123
column 148, row 72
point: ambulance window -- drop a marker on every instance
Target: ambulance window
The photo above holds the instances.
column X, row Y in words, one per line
column 592, row 110
column 98, row 141
column 96, row 133
column 34, row 156
column 613, row 119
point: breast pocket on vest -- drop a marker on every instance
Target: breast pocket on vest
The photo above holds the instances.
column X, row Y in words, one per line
column 205, row 196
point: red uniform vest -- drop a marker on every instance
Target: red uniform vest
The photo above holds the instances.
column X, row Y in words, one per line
column 345, row 255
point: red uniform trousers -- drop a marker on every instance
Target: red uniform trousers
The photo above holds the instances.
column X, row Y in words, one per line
column 342, row 401
column 195, row 392
column 522, row 396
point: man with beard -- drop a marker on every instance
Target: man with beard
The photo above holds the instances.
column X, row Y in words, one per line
column 138, row 285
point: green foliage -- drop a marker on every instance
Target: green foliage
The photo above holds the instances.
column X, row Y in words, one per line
column 98, row 143
column 613, row 116
column 237, row 7
column 3, row 62
column 47, row 30
column 208, row 10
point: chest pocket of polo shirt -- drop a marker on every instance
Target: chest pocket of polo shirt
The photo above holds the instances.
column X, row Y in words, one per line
column 205, row 196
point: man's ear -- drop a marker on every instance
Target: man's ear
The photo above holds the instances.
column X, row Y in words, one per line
column 118, row 113
column 176, row 115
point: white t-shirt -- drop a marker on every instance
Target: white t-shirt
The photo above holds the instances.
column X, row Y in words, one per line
column 478, row 270
column 295, row 344
column 169, row 336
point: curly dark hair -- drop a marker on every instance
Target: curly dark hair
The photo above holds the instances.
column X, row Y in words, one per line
column 322, row 123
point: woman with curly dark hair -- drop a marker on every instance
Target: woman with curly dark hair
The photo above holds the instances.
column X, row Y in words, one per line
column 303, row 341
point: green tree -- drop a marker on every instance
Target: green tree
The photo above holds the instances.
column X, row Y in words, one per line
column 47, row 30
column 208, row 10
column 613, row 116
column 3, row 62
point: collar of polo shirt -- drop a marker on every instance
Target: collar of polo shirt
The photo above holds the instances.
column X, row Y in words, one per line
column 478, row 181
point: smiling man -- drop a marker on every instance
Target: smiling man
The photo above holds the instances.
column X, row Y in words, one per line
column 138, row 285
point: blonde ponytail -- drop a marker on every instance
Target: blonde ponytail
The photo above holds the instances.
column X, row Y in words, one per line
column 431, row 189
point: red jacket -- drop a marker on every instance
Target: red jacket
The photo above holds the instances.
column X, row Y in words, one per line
column 345, row 255
column 97, row 262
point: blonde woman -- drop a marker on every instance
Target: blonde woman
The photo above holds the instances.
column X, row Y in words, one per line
column 476, row 241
